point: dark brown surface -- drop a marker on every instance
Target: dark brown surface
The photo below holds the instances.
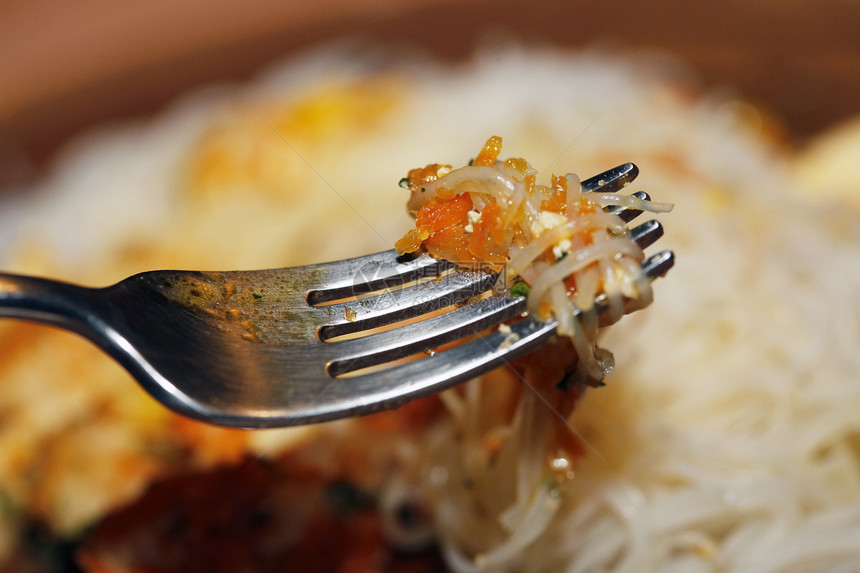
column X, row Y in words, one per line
column 67, row 68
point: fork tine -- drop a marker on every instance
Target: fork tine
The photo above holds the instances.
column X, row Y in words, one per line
column 627, row 214
column 612, row 180
column 362, row 275
column 394, row 306
column 658, row 265
column 647, row 233
column 423, row 336
column 451, row 367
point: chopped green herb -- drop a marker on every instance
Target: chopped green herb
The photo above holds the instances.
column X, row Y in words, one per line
column 256, row 296
column 520, row 289
column 404, row 183
column 423, row 189
column 472, row 161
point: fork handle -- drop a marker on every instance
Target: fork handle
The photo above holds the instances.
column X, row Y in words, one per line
column 51, row 302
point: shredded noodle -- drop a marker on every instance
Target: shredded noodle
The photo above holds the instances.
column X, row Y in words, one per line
column 557, row 238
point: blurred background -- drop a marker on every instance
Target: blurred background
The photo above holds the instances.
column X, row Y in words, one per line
column 66, row 65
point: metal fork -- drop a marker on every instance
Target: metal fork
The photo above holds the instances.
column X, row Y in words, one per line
column 275, row 348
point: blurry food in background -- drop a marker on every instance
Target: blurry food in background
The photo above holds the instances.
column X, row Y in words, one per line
column 726, row 439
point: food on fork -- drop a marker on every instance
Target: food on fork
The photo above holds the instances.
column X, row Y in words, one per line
column 554, row 244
